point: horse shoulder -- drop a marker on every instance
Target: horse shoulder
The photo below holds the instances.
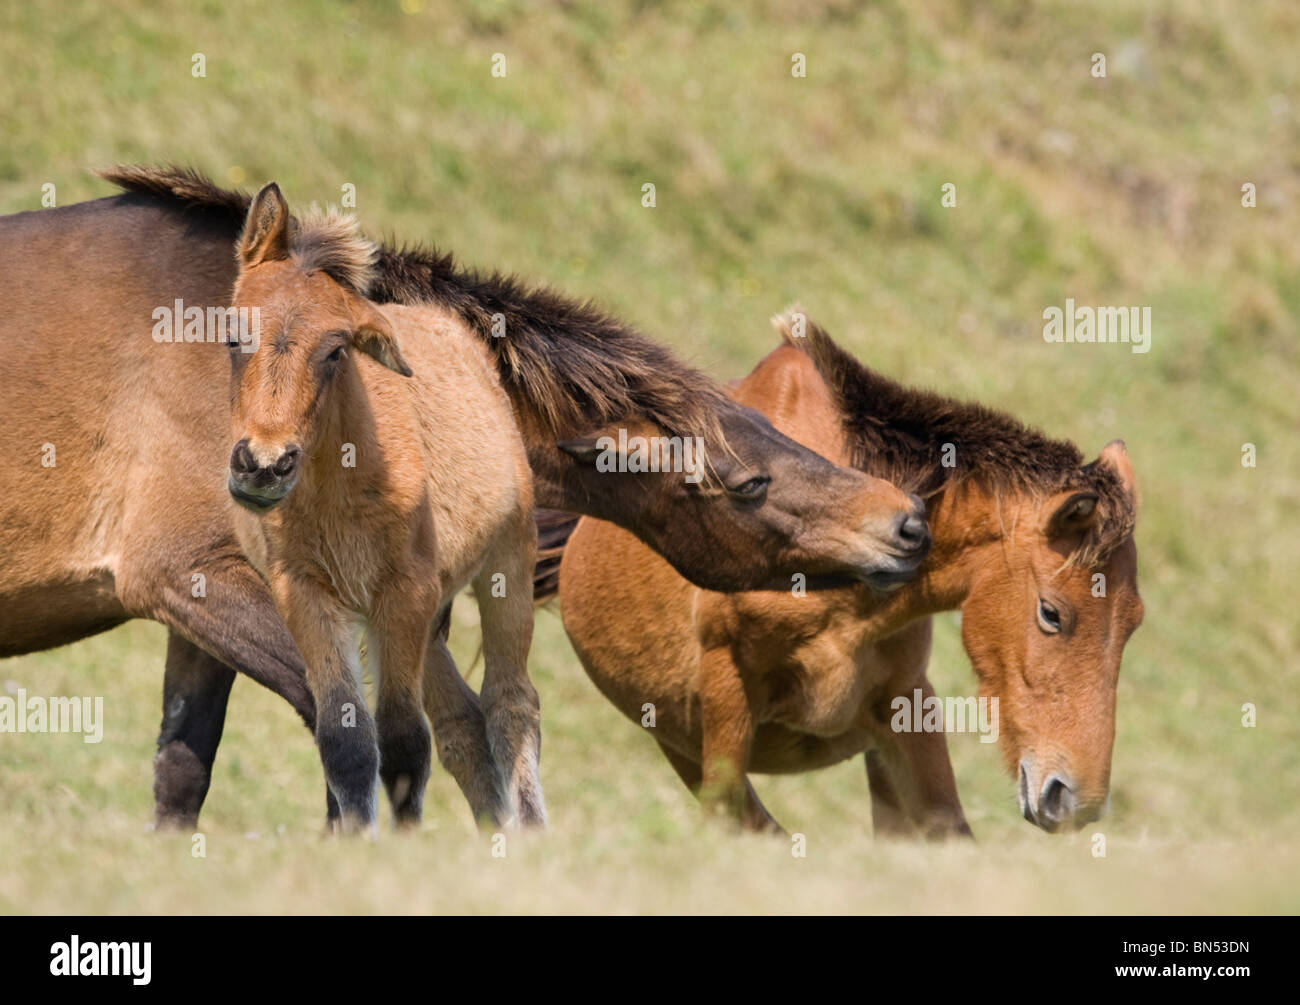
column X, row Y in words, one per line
column 473, row 468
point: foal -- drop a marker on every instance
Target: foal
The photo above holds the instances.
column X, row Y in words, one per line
column 1032, row 545
column 377, row 476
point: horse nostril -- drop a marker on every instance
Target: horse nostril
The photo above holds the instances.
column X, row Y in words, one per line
column 242, row 461
column 912, row 530
column 287, row 462
column 1057, row 800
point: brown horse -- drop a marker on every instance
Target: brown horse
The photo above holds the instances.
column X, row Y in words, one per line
column 367, row 495
column 1033, row 546
column 106, row 421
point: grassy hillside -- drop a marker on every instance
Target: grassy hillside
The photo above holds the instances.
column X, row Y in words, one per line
column 1122, row 190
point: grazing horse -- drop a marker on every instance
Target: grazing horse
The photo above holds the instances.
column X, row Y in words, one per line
column 379, row 470
column 1033, row 546
column 106, row 418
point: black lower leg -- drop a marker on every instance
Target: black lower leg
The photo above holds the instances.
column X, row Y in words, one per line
column 405, row 752
column 196, row 687
column 349, row 752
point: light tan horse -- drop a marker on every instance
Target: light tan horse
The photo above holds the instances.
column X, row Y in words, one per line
column 1033, row 546
column 379, row 470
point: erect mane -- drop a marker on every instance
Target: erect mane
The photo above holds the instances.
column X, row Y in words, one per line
column 184, row 186
column 571, row 366
column 330, row 242
column 898, row 433
column 322, row 240
column 568, row 367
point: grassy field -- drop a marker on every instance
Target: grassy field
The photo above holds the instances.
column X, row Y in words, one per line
column 1119, row 190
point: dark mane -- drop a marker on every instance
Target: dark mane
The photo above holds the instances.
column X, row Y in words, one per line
column 326, row 241
column 569, row 367
column 898, row 433
column 184, row 186
column 575, row 366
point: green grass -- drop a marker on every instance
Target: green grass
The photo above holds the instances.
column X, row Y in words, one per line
column 1124, row 190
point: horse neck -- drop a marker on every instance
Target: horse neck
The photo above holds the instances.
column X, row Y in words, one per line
column 965, row 521
column 559, row 483
column 342, row 424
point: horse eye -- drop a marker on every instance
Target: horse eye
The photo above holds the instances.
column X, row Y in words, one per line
column 753, row 488
column 1049, row 618
column 335, row 356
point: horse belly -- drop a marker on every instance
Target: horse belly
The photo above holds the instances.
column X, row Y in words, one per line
column 55, row 614
column 780, row 750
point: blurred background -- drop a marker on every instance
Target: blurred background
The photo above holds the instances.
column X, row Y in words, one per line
column 1125, row 189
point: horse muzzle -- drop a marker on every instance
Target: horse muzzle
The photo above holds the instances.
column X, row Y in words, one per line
column 1055, row 804
column 261, row 487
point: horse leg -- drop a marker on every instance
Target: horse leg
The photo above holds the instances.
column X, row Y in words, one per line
column 504, row 589
column 345, row 730
column 460, row 734
column 234, row 622
column 755, row 816
column 728, row 727
column 910, row 776
column 195, row 689
column 400, row 626
column 888, row 818
column 913, row 786
column 233, row 618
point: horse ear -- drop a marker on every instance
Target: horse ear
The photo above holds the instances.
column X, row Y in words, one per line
column 584, row 451
column 265, row 237
column 1115, row 457
column 375, row 337
column 1071, row 513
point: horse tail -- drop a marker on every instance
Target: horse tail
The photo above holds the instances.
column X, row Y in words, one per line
column 554, row 528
